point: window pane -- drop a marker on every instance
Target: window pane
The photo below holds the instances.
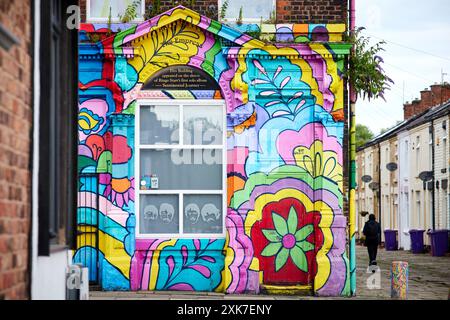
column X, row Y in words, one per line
column 202, row 213
column 159, row 213
column 203, row 125
column 253, row 10
column 159, row 125
column 182, row 168
column 100, row 8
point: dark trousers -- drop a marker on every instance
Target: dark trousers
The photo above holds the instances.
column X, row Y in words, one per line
column 372, row 249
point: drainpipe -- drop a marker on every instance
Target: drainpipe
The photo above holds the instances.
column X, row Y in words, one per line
column 433, row 194
column 379, row 185
column 352, row 170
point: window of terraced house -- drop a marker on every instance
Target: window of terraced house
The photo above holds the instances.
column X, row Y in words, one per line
column 255, row 11
column 99, row 10
column 180, row 156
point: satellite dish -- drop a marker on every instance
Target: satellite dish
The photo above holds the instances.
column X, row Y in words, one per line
column 426, row 175
column 366, row 178
column 391, row 166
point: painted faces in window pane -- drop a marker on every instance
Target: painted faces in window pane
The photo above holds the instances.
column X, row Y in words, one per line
column 203, row 213
column 159, row 214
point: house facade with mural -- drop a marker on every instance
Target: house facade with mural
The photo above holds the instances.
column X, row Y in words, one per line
column 211, row 155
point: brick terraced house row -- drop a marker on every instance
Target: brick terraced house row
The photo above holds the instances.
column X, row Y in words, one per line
column 415, row 148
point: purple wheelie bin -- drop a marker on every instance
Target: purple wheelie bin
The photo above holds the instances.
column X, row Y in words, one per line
column 439, row 242
column 390, row 240
column 416, row 240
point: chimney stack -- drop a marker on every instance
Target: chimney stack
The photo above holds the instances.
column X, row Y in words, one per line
column 428, row 98
column 408, row 111
column 441, row 93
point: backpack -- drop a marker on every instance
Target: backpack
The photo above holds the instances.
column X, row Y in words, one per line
column 372, row 230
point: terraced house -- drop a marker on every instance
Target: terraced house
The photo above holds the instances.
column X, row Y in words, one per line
column 250, row 202
column 211, row 148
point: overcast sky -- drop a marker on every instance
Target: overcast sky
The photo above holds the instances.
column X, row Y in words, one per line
column 420, row 25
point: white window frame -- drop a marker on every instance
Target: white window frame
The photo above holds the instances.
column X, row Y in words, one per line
column 90, row 19
column 138, row 147
column 244, row 19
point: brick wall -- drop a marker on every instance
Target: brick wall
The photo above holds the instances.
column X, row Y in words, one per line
column 311, row 11
column 15, row 133
column 428, row 98
column 82, row 4
column 288, row 11
column 201, row 6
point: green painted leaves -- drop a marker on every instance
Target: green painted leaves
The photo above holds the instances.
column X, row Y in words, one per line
column 286, row 241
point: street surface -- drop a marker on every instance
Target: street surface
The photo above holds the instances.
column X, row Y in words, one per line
column 429, row 278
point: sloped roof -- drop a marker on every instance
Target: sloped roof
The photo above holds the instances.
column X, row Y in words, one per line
column 415, row 121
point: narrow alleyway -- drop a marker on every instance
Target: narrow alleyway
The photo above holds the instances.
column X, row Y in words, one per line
column 429, row 278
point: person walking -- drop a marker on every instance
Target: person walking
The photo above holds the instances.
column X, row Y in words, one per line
column 372, row 231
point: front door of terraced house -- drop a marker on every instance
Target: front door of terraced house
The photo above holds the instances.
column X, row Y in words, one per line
column 286, row 239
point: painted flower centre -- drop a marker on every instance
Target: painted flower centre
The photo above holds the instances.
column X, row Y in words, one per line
column 288, row 241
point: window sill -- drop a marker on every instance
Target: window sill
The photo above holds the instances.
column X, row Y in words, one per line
column 55, row 248
column 113, row 21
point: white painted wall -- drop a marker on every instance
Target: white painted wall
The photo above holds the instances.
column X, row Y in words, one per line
column 442, row 161
column 385, row 186
column 420, row 160
column 49, row 281
column 366, row 165
column 403, row 185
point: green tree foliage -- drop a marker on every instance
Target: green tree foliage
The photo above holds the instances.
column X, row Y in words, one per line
column 223, row 10
column 363, row 134
column 365, row 74
column 131, row 12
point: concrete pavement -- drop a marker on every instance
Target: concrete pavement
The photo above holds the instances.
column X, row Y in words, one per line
column 429, row 278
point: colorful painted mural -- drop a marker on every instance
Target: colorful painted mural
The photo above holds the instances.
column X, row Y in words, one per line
column 285, row 105
column 399, row 280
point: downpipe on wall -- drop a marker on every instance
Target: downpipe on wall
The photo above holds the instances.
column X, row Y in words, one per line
column 379, row 186
column 352, row 170
column 433, row 190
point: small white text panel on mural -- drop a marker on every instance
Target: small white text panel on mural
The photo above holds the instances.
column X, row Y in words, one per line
column 180, row 169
